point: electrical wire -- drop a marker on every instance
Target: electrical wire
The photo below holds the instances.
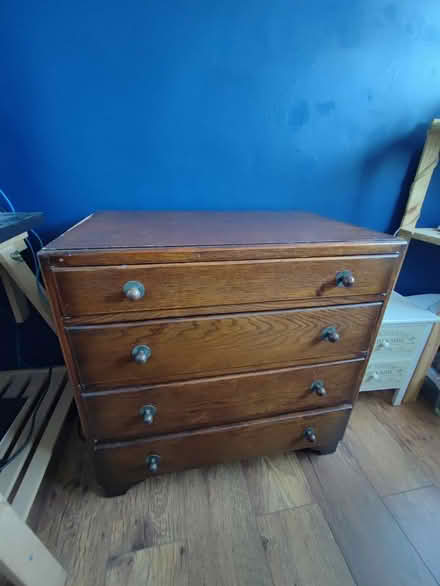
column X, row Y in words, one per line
column 8, row 201
column 37, row 268
column 35, row 260
column 6, row 461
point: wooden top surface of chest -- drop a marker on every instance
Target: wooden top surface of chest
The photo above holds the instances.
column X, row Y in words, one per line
column 130, row 236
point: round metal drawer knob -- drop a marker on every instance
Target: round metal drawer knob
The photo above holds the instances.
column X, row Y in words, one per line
column 318, row 387
column 310, row 435
column 153, row 462
column 330, row 334
column 345, row 279
column 133, row 290
column 141, row 354
column 384, row 344
column 148, row 412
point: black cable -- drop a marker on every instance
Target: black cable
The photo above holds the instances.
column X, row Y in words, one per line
column 5, row 461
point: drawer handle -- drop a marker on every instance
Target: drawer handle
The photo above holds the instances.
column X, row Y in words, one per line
column 310, row 435
column 153, row 462
column 345, row 279
column 133, row 290
column 330, row 334
column 318, row 387
column 148, row 412
column 141, row 354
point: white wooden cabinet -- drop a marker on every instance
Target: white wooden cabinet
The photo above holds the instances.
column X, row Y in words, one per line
column 402, row 337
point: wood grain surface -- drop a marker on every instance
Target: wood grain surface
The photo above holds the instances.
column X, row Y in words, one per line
column 164, row 564
column 144, row 229
column 98, row 290
column 127, row 316
column 398, row 470
column 212, row 511
column 195, row 347
column 301, row 549
column 214, row 401
column 418, row 514
column 137, row 256
column 276, row 483
column 375, row 548
column 224, row 545
column 216, row 445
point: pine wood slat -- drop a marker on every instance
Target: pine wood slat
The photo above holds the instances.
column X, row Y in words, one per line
column 430, row 235
column 26, row 384
column 33, row 476
column 23, row 558
column 428, row 162
column 10, row 474
column 14, row 382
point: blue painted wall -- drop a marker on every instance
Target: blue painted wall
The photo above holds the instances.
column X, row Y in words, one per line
column 196, row 104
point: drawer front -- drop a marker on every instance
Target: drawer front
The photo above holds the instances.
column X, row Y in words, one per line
column 400, row 340
column 125, row 463
column 385, row 375
column 197, row 403
column 188, row 348
column 97, row 290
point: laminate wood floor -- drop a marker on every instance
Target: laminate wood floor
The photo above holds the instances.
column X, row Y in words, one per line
column 367, row 515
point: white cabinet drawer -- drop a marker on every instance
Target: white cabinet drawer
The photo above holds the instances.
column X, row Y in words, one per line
column 385, row 375
column 405, row 340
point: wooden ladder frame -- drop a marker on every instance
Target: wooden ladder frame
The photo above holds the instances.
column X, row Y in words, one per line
column 408, row 229
column 419, row 188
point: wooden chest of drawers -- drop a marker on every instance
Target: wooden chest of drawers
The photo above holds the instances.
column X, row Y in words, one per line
column 199, row 337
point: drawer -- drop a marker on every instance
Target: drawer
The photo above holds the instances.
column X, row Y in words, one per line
column 401, row 340
column 177, row 349
column 120, row 465
column 177, row 406
column 98, row 290
column 386, row 375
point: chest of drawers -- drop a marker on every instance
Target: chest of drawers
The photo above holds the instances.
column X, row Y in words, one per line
column 193, row 338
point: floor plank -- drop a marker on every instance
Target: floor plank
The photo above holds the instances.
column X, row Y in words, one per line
column 375, row 548
column 409, row 423
column 210, row 512
column 418, row 513
column 164, row 564
column 276, row 483
column 415, row 427
column 301, row 549
column 151, row 513
column 225, row 548
column 397, row 469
